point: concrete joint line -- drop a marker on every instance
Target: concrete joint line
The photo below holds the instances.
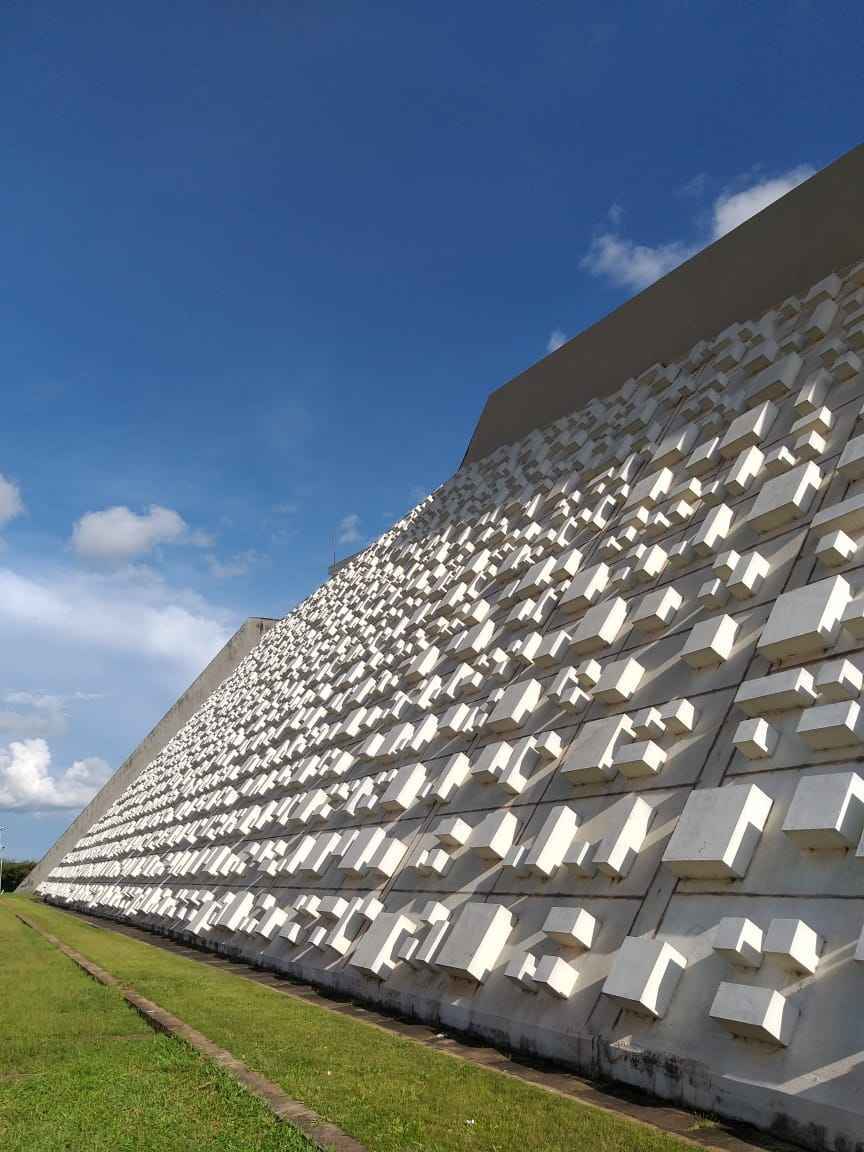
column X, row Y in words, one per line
column 326, row 1136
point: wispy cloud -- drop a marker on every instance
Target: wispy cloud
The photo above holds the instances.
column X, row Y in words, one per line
column 349, row 529
column 11, row 504
column 132, row 611
column 238, row 565
column 693, row 187
column 627, row 263
column 556, row 339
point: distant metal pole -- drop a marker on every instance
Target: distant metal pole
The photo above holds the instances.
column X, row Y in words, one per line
column 2, row 830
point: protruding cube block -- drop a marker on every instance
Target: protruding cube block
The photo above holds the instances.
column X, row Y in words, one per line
column 515, row 706
column 492, row 837
column 750, row 427
column 375, row 952
column 835, row 549
column 554, row 975
column 452, row 832
column 717, row 833
column 619, row 681
column 476, row 940
column 630, row 818
column 785, row 498
column 839, row 680
column 806, row 621
column 643, row 758
column 600, row 626
column 837, row 725
column 756, row 739
column 851, row 462
column 754, row 1013
column 585, row 588
column 794, row 945
column 590, row 756
column 644, row 975
column 827, row 812
column 656, row 610
column 780, row 692
column 571, row 927
column 739, row 940
column 552, row 842
column 710, row 642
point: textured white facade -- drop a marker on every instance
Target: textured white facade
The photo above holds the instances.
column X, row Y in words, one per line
column 569, row 757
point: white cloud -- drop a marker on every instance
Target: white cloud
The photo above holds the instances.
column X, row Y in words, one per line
column 693, row 187
column 624, row 262
column 27, row 783
column 132, row 611
column 118, row 534
column 237, row 565
column 11, row 504
column 733, row 209
column 556, row 339
column 349, row 529
column 631, row 265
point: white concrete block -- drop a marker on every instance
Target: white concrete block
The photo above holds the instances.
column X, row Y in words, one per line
column 619, row 681
column 493, row 837
column 716, row 526
column 585, row 587
column 644, row 975
column 756, row 738
column 779, row 692
column 591, row 755
column 554, row 975
column 600, row 626
column 376, row 951
column 739, row 941
column 630, row 819
column 826, row 812
column 404, row 788
column 515, row 706
column 839, row 680
column 837, row 725
column 835, row 549
column 644, row 758
column 717, row 833
column 785, row 498
column 710, row 642
column 476, row 941
column 806, row 621
column 571, row 927
column 552, row 842
column 656, row 610
column 794, row 945
column 452, row 832
column 749, row 428
column 754, row 1013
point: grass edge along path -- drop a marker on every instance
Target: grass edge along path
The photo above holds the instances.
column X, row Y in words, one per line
column 323, row 1135
column 79, row 1070
column 389, row 1092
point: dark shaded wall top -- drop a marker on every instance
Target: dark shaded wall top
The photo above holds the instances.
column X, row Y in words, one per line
column 815, row 229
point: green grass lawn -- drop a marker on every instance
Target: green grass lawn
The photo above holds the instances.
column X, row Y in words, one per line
column 388, row 1092
column 80, row 1070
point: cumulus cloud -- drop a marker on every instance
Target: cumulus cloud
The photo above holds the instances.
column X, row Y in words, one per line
column 119, row 534
column 732, row 209
column 632, row 265
column 556, row 339
column 11, row 504
column 349, row 529
column 27, row 783
column 628, row 264
column 133, row 611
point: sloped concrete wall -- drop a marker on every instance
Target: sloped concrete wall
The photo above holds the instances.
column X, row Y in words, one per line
column 219, row 668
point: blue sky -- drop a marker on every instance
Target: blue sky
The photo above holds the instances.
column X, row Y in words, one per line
column 263, row 263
